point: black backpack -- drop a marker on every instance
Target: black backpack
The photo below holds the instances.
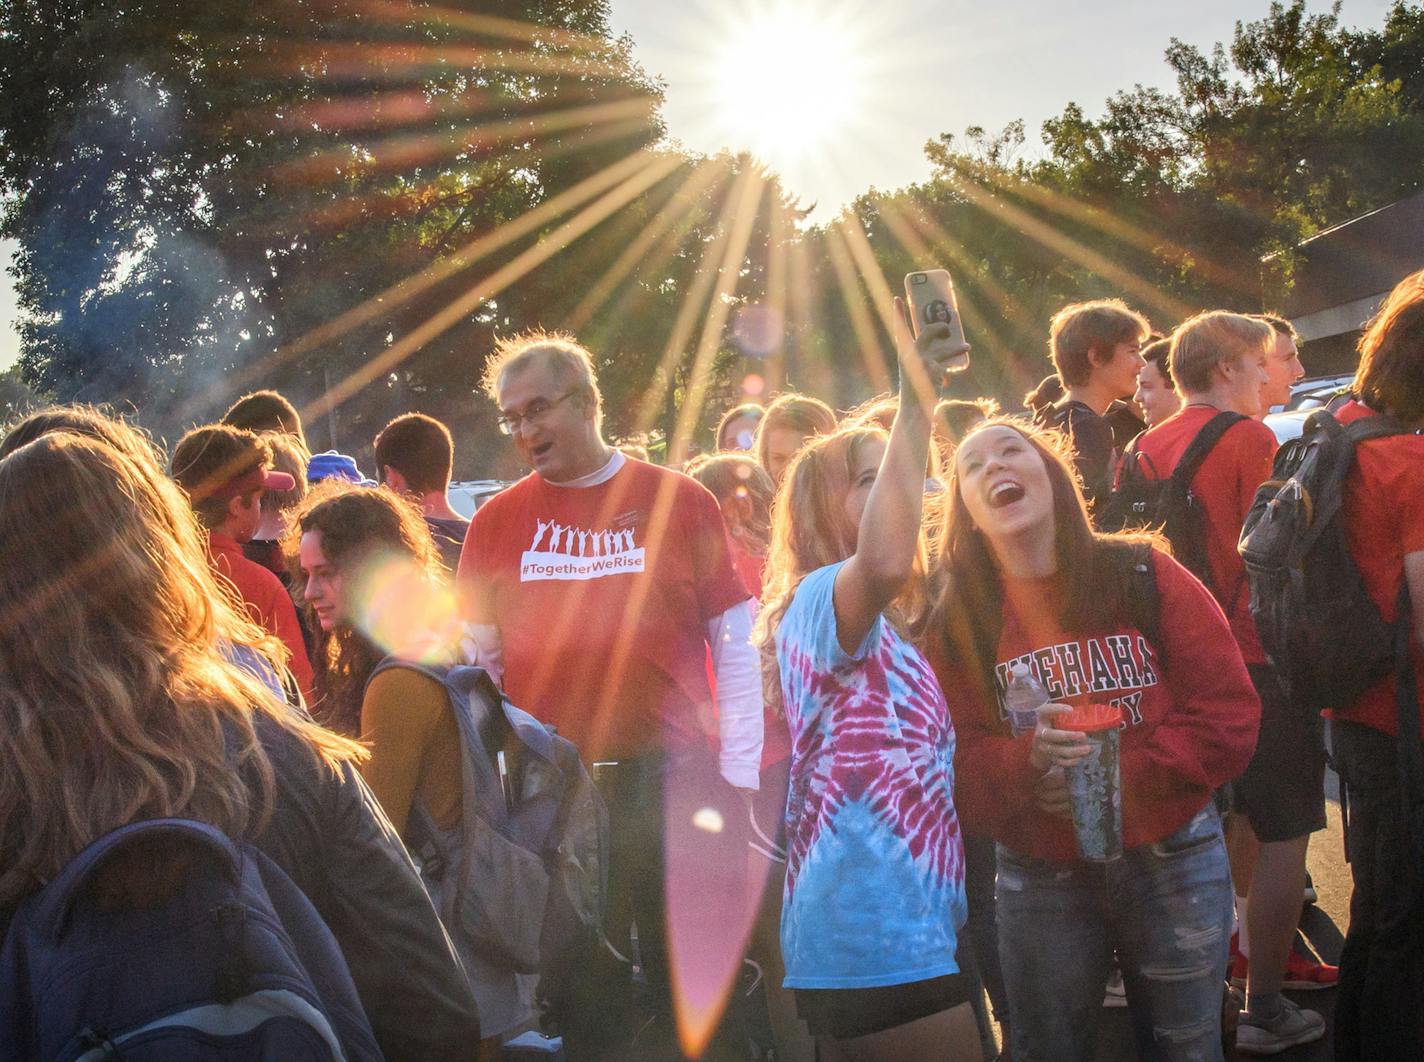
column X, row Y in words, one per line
column 1317, row 622
column 1143, row 501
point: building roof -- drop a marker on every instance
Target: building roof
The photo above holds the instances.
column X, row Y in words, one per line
column 1358, row 259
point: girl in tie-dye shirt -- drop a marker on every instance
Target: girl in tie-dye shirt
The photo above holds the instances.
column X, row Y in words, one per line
column 874, row 890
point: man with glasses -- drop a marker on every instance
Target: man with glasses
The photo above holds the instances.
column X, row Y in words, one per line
column 597, row 588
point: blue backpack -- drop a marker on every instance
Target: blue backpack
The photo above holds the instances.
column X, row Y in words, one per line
column 165, row 940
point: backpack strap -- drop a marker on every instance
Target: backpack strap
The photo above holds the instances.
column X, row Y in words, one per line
column 1144, row 601
column 477, row 772
column 63, row 893
column 1366, row 428
column 1202, row 445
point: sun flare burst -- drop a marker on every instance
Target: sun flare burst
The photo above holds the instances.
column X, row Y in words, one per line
column 788, row 82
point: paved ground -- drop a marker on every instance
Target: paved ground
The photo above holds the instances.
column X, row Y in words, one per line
column 1322, row 929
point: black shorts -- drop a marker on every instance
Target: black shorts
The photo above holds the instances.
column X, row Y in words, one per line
column 845, row 1013
column 1282, row 793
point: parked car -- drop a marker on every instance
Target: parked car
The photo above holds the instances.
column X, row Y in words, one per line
column 467, row 495
column 1320, row 392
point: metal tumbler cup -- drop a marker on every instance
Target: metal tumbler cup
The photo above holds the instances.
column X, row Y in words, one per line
column 1095, row 784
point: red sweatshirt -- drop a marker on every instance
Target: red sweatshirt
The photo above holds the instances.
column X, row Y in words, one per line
column 1190, row 713
column 267, row 600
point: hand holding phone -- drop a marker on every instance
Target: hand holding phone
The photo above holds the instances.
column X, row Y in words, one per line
column 930, row 295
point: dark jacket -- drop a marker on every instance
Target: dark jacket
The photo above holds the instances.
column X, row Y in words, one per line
column 1091, row 438
column 332, row 839
column 330, row 836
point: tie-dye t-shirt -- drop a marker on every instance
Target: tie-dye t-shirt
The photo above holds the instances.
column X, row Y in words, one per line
column 875, row 863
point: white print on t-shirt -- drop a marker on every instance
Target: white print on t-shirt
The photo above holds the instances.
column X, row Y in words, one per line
column 1119, row 662
column 559, row 552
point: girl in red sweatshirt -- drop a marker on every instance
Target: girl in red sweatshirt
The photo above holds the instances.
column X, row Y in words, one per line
column 1023, row 578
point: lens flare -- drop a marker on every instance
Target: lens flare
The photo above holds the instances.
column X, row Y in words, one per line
column 758, row 330
column 712, row 898
column 709, row 820
column 753, row 385
column 403, row 611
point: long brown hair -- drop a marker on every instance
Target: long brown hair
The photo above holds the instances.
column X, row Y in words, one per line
column 1390, row 378
column 117, row 702
column 966, row 589
column 809, row 530
column 799, row 413
column 736, row 480
column 89, row 421
column 357, row 525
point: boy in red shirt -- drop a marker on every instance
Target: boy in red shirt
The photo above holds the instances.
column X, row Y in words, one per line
column 1283, row 367
column 225, row 472
column 1219, row 362
column 1378, row 1015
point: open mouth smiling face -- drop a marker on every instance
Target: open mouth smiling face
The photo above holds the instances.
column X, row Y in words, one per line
column 1005, row 492
column 1003, row 481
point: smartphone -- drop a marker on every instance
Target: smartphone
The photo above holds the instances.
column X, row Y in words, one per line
column 930, row 296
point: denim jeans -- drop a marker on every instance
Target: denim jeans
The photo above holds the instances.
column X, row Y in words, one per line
column 1164, row 908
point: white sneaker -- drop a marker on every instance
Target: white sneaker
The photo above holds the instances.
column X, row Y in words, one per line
column 1116, row 994
column 1290, row 1027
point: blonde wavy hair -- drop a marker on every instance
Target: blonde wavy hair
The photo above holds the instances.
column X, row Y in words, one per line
column 117, row 702
column 809, row 530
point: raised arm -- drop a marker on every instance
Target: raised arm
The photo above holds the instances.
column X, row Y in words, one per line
column 890, row 524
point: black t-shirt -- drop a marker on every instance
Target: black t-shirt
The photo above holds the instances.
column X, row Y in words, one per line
column 1091, row 437
column 449, row 536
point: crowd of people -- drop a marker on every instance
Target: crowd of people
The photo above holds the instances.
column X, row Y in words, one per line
column 580, row 763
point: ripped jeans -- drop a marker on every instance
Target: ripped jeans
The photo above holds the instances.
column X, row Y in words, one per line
column 1164, row 908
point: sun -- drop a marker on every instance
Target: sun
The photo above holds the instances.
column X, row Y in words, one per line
column 788, row 81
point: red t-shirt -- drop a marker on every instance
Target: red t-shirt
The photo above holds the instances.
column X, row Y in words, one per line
column 1226, row 485
column 267, row 600
column 1384, row 520
column 602, row 595
column 1190, row 713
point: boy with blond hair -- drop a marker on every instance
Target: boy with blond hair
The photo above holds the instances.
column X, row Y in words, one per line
column 1218, row 360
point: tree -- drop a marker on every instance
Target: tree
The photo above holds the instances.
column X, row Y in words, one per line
column 196, row 187
column 16, row 398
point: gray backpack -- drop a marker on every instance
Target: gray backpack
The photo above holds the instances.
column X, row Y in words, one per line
column 523, row 880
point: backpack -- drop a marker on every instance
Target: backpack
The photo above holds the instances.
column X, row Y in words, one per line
column 163, row 941
column 524, row 880
column 1321, row 630
column 1170, row 504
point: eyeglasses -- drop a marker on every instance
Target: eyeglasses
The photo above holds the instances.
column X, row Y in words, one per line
column 533, row 413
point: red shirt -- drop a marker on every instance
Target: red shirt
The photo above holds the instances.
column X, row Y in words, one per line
column 1226, row 484
column 1384, row 520
column 267, row 600
column 602, row 595
column 1190, row 713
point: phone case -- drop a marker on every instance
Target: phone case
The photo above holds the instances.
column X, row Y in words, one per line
column 930, row 296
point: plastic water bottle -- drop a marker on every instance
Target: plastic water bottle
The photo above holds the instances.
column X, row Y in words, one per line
column 1024, row 697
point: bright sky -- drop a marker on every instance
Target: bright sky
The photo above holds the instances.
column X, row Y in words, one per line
column 904, row 71
column 840, row 95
